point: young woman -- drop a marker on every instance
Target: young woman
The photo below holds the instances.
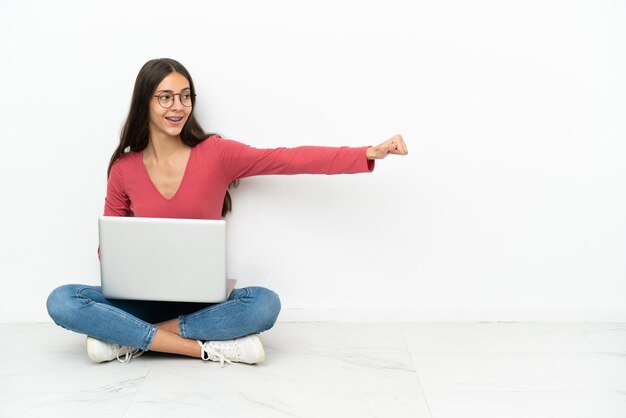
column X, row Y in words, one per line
column 166, row 166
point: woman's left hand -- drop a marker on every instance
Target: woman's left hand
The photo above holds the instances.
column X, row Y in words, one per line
column 394, row 145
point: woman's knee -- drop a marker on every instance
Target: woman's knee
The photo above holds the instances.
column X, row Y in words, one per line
column 61, row 304
column 267, row 307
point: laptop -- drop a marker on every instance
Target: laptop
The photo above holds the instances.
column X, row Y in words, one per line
column 178, row 260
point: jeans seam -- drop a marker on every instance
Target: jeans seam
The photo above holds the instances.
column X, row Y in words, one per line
column 148, row 340
column 123, row 314
column 117, row 311
column 182, row 327
column 183, row 318
column 151, row 329
column 79, row 294
column 212, row 308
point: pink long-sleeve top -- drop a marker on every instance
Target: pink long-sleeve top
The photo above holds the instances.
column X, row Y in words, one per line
column 212, row 166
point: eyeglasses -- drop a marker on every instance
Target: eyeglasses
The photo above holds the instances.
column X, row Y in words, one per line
column 166, row 99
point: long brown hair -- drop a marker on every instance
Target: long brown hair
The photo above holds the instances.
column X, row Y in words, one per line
column 135, row 135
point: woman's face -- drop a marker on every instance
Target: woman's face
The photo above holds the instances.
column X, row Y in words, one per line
column 174, row 92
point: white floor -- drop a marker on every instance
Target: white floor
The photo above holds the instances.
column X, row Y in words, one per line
column 332, row 370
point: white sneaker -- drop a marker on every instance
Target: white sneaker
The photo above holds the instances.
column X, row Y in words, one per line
column 242, row 350
column 100, row 351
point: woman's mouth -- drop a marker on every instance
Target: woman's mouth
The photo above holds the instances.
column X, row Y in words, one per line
column 174, row 120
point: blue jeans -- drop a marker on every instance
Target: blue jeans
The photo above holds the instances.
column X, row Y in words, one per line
column 85, row 310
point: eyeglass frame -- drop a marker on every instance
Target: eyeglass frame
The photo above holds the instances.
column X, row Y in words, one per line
column 191, row 95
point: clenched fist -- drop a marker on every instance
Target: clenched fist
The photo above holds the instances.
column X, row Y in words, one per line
column 394, row 145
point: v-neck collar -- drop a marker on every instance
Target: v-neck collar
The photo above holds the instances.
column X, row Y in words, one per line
column 182, row 181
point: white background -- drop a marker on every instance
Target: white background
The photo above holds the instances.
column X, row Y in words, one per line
column 510, row 205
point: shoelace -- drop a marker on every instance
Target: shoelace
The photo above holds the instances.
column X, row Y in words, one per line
column 128, row 354
column 209, row 352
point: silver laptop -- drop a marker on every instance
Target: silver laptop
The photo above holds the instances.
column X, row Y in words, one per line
column 181, row 260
